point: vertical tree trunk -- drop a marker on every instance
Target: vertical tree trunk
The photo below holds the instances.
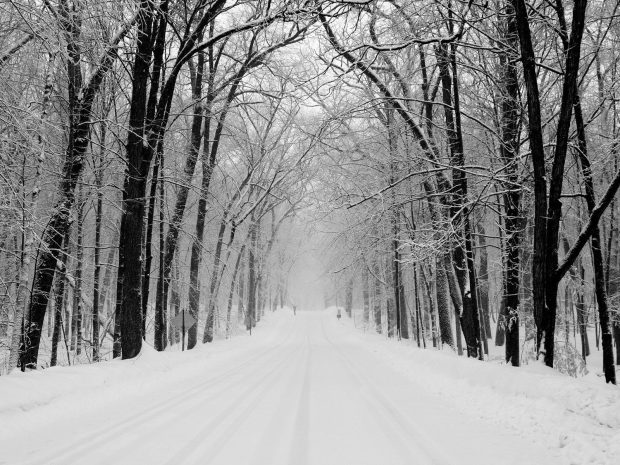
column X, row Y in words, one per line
column 377, row 297
column 97, row 251
column 512, row 197
column 148, row 240
column 365, row 293
column 416, row 290
column 160, row 316
column 445, row 323
column 252, row 265
column 59, row 294
column 539, row 271
column 76, row 331
column 128, row 341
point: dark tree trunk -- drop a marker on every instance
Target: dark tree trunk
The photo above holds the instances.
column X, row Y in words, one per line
column 539, row 271
column 128, row 341
column 97, row 252
column 148, row 241
column 416, row 290
column 445, row 321
column 252, row 268
column 513, row 220
column 76, row 330
column 160, row 317
column 554, row 214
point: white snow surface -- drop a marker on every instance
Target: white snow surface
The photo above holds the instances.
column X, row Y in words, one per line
column 306, row 389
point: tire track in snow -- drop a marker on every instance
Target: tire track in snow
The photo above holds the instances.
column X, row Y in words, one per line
column 213, row 438
column 416, row 444
column 298, row 453
column 284, row 418
column 101, row 436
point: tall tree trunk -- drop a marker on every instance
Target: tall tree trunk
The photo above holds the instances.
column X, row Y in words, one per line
column 539, row 270
column 128, row 341
column 445, row 323
column 148, row 240
column 513, row 220
column 416, row 290
column 59, row 294
column 76, row 331
column 377, row 297
column 365, row 293
column 97, row 252
column 252, row 266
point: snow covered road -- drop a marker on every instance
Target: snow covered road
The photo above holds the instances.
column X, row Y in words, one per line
column 305, row 392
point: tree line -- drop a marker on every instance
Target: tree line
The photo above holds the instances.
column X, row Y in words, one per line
column 158, row 155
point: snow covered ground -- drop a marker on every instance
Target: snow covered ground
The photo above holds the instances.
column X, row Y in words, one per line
column 306, row 389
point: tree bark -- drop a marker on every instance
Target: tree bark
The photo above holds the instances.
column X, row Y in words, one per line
column 445, row 323
column 513, row 221
column 139, row 153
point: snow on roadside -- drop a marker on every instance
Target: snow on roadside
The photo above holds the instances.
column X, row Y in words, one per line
column 579, row 417
column 29, row 399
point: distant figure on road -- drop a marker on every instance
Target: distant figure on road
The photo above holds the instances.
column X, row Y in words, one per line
column 294, row 309
column 339, row 314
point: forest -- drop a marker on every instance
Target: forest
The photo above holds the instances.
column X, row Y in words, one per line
column 452, row 167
